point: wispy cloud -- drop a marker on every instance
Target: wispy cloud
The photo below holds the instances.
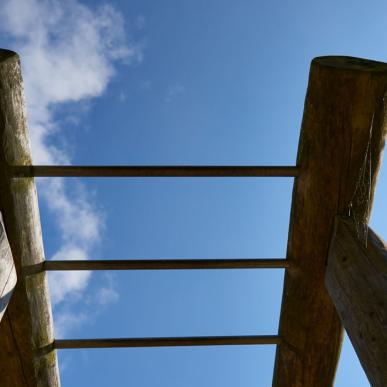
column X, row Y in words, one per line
column 68, row 319
column 122, row 97
column 68, row 53
column 173, row 91
column 107, row 294
column 146, row 86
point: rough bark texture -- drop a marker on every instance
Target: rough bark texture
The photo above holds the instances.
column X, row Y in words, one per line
column 27, row 324
column 356, row 280
column 344, row 96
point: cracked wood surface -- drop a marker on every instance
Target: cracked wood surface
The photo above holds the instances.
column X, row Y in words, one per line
column 27, row 323
column 356, row 280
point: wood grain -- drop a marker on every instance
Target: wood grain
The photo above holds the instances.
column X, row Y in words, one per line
column 28, row 323
column 356, row 279
column 345, row 95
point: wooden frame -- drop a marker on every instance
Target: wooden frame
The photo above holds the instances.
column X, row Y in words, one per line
column 342, row 134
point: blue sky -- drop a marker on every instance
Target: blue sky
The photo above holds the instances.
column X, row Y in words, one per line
column 182, row 82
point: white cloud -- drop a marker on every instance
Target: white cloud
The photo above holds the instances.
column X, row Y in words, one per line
column 107, row 294
column 66, row 320
column 68, row 52
column 64, row 285
column 92, row 305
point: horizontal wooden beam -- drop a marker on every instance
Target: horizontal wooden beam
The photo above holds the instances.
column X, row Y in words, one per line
column 167, row 342
column 341, row 141
column 158, row 264
column 152, row 171
column 356, row 279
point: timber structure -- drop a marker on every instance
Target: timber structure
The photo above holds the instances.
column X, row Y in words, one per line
column 339, row 155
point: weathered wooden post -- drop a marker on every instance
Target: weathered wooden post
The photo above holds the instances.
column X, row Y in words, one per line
column 345, row 98
column 356, row 280
column 8, row 277
column 27, row 324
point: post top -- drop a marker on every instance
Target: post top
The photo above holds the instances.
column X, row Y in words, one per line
column 350, row 63
column 6, row 55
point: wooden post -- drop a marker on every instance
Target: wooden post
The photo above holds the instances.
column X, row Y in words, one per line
column 345, row 97
column 356, row 280
column 8, row 276
column 27, row 324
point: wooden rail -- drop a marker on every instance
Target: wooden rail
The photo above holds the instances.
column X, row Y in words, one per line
column 167, row 342
column 152, row 171
column 159, row 264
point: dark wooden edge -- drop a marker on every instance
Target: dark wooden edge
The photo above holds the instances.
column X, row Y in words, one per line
column 157, row 264
column 152, row 171
column 167, row 341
